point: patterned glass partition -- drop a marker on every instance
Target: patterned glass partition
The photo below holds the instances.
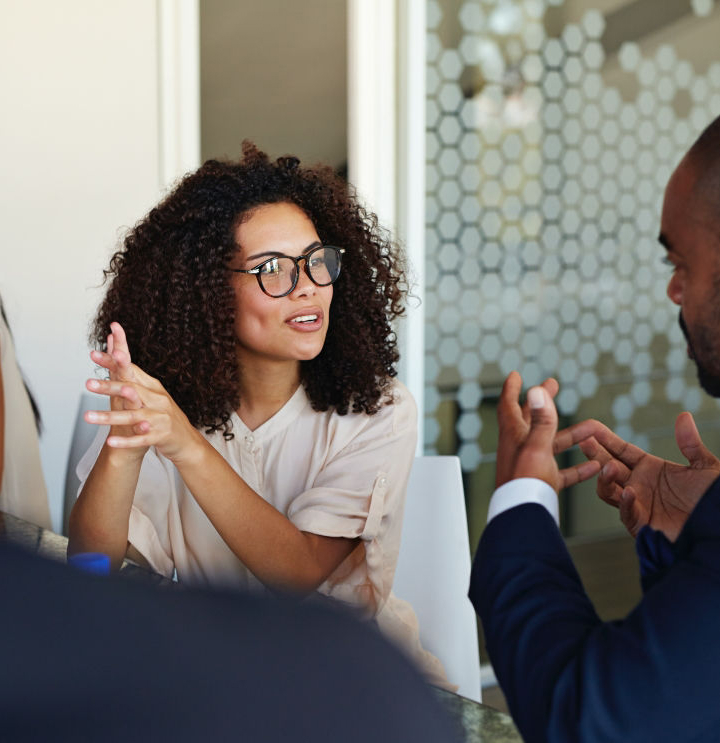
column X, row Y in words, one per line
column 552, row 129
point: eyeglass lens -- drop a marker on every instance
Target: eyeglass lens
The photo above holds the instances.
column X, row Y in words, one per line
column 278, row 274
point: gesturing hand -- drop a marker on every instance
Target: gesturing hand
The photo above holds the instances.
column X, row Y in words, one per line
column 116, row 359
column 647, row 489
column 526, row 441
column 142, row 413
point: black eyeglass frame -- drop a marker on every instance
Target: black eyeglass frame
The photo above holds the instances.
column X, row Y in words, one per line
column 257, row 270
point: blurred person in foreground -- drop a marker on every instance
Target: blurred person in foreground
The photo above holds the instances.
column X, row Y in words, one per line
column 22, row 487
column 651, row 676
column 104, row 658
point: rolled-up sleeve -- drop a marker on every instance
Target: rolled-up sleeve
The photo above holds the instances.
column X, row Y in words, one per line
column 360, row 492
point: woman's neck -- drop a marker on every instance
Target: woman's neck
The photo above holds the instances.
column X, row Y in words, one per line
column 264, row 389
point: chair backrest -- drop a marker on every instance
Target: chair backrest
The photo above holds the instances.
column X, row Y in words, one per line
column 83, row 435
column 433, row 569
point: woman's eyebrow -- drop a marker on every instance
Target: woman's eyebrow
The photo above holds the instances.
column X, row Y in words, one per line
column 277, row 254
column 266, row 254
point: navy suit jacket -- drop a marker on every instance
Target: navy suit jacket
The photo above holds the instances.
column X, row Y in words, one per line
column 569, row 677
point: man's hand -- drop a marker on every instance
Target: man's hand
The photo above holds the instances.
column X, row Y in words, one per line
column 646, row 489
column 526, row 441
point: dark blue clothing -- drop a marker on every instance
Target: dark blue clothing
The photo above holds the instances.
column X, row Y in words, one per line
column 569, row 677
column 655, row 554
column 100, row 658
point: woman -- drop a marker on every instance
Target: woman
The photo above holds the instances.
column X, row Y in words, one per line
column 22, row 486
column 257, row 434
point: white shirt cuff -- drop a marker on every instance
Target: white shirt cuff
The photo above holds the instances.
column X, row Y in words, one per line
column 520, row 491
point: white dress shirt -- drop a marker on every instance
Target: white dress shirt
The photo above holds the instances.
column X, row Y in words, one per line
column 523, row 490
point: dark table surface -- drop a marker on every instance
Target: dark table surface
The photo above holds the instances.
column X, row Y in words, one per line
column 479, row 723
column 53, row 546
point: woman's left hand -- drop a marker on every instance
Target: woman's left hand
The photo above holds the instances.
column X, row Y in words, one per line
column 156, row 420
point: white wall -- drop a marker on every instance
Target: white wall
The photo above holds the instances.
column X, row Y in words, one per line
column 80, row 161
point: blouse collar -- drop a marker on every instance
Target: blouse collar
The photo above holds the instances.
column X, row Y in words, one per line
column 277, row 422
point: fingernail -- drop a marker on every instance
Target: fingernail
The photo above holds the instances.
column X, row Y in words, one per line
column 535, row 397
column 91, row 415
column 93, row 384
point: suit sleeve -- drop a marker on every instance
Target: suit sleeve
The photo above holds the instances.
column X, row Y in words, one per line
column 567, row 675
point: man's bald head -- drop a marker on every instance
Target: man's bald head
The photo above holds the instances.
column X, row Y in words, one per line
column 690, row 231
column 704, row 160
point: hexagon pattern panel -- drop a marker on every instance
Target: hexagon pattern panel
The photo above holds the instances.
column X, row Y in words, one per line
column 551, row 134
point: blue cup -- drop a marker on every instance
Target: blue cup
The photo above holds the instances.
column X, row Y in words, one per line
column 91, row 562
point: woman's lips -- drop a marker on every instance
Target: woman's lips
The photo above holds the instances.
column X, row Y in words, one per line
column 306, row 321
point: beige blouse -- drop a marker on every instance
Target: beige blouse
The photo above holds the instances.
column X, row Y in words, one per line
column 333, row 475
column 22, row 489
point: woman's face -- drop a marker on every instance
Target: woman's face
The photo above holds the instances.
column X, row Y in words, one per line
column 289, row 328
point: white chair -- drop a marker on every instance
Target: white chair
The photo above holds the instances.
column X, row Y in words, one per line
column 433, row 569
column 83, row 435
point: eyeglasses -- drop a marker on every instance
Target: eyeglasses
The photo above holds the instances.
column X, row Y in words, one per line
column 278, row 276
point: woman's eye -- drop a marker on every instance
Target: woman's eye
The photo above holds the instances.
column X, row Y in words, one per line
column 271, row 268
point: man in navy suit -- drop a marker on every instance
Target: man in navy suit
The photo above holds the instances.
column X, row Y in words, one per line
column 654, row 675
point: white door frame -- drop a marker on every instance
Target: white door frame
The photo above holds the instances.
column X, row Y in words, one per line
column 178, row 72
column 386, row 147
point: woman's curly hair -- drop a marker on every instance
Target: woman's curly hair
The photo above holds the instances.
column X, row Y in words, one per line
column 170, row 288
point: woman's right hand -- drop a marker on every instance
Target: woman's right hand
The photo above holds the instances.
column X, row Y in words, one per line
column 99, row 519
column 118, row 362
column 142, row 413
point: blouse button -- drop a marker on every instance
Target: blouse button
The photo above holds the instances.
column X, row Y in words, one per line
column 382, row 482
column 249, row 440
